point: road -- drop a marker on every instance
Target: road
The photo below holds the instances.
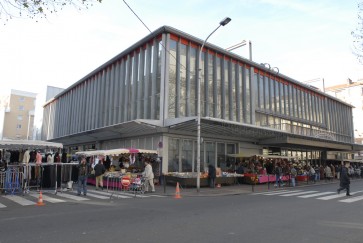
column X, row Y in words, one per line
column 306, row 214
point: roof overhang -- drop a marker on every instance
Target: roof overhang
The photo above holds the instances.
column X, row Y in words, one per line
column 28, row 144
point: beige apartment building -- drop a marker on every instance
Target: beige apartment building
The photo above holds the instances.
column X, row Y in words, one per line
column 17, row 115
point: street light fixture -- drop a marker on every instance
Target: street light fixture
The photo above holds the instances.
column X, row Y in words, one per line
column 222, row 23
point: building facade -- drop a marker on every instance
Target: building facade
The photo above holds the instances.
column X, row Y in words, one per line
column 146, row 97
column 351, row 93
column 17, row 115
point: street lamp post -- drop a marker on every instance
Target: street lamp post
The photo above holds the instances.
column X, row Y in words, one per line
column 222, row 23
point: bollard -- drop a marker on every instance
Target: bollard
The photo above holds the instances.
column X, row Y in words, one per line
column 164, row 183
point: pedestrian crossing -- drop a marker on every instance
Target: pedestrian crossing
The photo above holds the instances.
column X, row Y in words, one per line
column 68, row 196
column 324, row 196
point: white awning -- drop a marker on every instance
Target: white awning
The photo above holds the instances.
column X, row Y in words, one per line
column 28, row 144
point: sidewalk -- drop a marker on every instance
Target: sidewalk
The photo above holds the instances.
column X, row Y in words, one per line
column 238, row 189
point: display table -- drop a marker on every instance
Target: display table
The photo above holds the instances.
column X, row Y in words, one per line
column 192, row 181
column 302, row 178
column 256, row 178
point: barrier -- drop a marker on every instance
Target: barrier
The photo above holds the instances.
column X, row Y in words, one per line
column 11, row 181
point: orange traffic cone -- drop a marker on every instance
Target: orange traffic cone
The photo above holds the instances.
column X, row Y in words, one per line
column 40, row 200
column 177, row 191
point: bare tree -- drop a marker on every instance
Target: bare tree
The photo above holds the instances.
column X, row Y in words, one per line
column 358, row 35
column 38, row 8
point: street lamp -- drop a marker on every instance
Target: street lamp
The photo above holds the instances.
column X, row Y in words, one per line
column 222, row 23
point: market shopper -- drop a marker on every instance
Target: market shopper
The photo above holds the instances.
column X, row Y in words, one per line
column 99, row 171
column 293, row 174
column 149, row 177
column 82, row 177
column 344, row 180
column 212, row 176
column 278, row 175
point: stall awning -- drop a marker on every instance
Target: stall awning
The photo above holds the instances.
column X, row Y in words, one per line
column 28, row 144
column 116, row 152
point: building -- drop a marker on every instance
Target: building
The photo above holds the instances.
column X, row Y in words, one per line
column 146, row 97
column 17, row 115
column 351, row 93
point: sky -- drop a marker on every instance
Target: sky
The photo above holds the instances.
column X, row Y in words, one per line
column 304, row 39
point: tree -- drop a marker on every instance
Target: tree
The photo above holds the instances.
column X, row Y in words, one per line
column 38, row 8
column 358, row 35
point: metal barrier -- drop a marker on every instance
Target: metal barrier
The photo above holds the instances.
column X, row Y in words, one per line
column 11, row 181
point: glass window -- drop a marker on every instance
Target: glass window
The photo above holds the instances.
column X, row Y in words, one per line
column 219, row 88
column 277, row 96
column 18, row 126
column 282, row 98
column 21, row 108
column 267, row 93
column 226, row 90
column 261, row 93
column 221, row 155
column 287, row 100
column 172, row 80
column 21, row 99
column 248, row 96
column 233, row 97
column 183, row 82
column 272, row 93
column 187, row 156
column 193, row 82
column 20, row 117
column 210, row 154
column 173, row 164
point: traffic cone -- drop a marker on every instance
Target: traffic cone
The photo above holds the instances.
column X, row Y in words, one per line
column 40, row 200
column 177, row 191
column 219, row 186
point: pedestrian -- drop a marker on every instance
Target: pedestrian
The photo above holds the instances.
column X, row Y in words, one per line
column 344, row 180
column 278, row 175
column 293, row 173
column 149, row 177
column 328, row 172
column 99, row 171
column 82, row 177
column 212, row 174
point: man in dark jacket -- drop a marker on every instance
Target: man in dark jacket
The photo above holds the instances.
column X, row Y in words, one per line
column 99, row 171
column 344, row 180
column 212, row 176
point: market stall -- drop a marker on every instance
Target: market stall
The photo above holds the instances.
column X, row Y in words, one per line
column 189, row 179
column 126, row 164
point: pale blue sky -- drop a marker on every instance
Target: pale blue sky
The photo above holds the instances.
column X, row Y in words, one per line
column 305, row 39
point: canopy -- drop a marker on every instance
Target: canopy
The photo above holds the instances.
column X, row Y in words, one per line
column 28, row 144
column 116, row 152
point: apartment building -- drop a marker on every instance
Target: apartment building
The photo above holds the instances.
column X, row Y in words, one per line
column 17, row 115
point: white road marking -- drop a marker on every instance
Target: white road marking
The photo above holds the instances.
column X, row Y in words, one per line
column 297, row 193
column 48, row 199
column 77, row 198
column 316, row 194
column 20, row 200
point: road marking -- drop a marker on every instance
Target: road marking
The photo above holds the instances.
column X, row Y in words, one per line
column 2, row 205
column 263, row 193
column 111, row 193
column 20, row 200
column 352, row 199
column 316, row 194
column 77, row 198
column 337, row 196
column 48, row 199
column 281, row 192
column 297, row 193
column 95, row 195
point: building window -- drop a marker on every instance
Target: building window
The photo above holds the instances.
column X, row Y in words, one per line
column 20, row 118
column 21, row 108
column 18, row 126
column 22, row 99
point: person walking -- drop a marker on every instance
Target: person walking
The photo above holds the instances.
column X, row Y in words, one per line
column 278, row 175
column 328, row 173
column 212, row 174
column 99, row 171
column 344, row 180
column 293, row 174
column 82, row 177
column 149, row 177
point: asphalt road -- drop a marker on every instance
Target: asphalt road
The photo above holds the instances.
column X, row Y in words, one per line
column 279, row 216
